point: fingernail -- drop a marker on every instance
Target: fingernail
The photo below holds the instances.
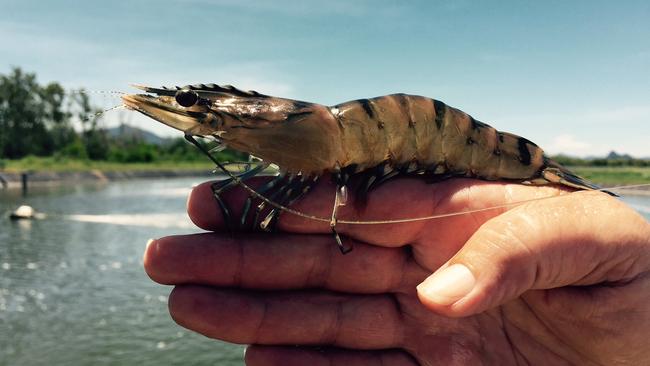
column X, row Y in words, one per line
column 448, row 285
column 149, row 243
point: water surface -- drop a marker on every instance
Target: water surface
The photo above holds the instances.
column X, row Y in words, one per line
column 75, row 293
column 73, row 290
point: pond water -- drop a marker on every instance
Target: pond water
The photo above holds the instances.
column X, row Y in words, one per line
column 73, row 290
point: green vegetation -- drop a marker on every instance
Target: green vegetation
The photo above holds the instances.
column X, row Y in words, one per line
column 613, row 160
column 612, row 170
column 37, row 119
column 35, row 163
column 609, row 176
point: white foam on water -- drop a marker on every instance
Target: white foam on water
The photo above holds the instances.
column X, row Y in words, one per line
column 161, row 220
column 171, row 192
column 181, row 192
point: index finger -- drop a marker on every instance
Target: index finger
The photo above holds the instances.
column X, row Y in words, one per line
column 396, row 199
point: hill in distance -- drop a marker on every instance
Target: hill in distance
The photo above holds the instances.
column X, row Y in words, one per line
column 615, row 155
column 126, row 132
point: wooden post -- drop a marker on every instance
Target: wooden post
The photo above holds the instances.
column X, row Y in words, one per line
column 23, row 177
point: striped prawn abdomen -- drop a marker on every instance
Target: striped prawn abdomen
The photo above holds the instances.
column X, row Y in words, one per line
column 402, row 129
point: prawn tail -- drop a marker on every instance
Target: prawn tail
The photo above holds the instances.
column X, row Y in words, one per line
column 555, row 173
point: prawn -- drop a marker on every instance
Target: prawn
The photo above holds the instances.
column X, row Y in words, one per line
column 371, row 140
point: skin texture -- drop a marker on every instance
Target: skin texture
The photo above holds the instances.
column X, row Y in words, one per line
column 558, row 281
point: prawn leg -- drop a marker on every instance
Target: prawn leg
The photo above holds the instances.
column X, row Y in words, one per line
column 340, row 199
column 299, row 193
column 291, row 191
column 225, row 210
column 341, row 178
column 219, row 187
column 271, row 197
column 371, row 179
column 249, row 201
column 226, row 184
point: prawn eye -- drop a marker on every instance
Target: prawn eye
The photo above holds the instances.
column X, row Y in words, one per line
column 186, row 98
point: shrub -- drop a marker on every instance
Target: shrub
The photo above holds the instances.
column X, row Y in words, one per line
column 75, row 149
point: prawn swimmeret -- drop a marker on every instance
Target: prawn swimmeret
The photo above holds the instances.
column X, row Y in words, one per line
column 370, row 140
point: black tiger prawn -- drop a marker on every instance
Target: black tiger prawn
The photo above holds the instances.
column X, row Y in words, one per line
column 371, row 140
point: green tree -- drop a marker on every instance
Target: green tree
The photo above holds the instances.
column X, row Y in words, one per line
column 29, row 113
column 21, row 116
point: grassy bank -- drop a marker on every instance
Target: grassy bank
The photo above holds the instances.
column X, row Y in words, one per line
column 609, row 176
column 79, row 165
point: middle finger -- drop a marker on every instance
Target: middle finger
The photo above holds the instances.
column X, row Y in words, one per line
column 282, row 261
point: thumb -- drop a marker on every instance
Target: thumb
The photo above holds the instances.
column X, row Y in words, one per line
column 582, row 238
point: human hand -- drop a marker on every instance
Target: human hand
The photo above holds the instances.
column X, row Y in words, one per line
column 557, row 281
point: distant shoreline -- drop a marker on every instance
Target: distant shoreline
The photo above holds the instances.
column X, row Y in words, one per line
column 44, row 178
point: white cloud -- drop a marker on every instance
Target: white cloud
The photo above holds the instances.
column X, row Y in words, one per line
column 568, row 144
column 617, row 115
column 587, row 132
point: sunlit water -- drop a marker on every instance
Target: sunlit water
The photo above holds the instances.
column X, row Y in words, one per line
column 73, row 290
column 72, row 287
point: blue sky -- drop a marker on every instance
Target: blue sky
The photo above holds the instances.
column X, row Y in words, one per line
column 573, row 76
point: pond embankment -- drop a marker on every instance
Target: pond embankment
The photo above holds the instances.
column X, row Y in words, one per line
column 12, row 180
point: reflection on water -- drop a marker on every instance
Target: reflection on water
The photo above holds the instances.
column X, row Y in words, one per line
column 161, row 220
column 72, row 287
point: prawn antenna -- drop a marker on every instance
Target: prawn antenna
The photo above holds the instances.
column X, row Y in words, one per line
column 90, row 116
